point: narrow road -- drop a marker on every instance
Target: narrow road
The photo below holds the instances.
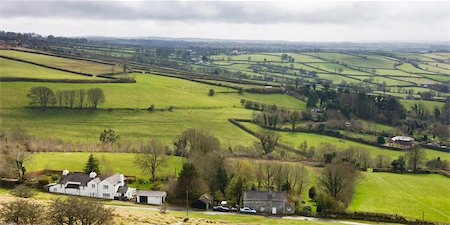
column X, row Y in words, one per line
column 180, row 209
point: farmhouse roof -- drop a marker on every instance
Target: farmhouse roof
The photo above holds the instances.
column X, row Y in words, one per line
column 151, row 193
column 122, row 189
column 402, row 138
column 83, row 178
column 264, row 196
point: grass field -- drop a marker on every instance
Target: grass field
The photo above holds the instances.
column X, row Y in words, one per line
column 334, row 68
column 11, row 68
column 430, row 105
column 297, row 138
column 116, row 162
column 150, row 89
column 404, row 194
column 357, row 60
column 69, row 64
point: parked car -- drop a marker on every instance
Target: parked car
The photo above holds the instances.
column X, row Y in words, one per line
column 247, row 210
column 234, row 209
column 221, row 208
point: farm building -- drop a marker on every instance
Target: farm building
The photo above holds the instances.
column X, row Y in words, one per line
column 204, row 202
column 91, row 185
column 272, row 202
column 151, row 197
column 403, row 140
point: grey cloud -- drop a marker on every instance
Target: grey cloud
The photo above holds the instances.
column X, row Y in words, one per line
column 229, row 12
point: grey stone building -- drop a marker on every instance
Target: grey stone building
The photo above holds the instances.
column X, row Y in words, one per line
column 271, row 202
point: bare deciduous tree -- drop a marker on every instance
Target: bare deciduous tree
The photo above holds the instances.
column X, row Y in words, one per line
column 338, row 180
column 95, row 96
column 268, row 140
column 41, row 96
column 151, row 157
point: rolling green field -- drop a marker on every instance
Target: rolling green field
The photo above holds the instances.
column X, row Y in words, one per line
column 296, row 138
column 193, row 109
column 11, row 68
column 116, row 162
column 69, row 64
column 151, row 89
column 404, row 194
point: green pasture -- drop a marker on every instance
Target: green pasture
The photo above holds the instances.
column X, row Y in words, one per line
column 300, row 57
column 334, row 68
column 380, row 80
column 11, row 68
column 430, row 105
column 409, row 195
column 294, row 139
column 337, row 79
column 407, row 67
column 110, row 162
column 253, row 57
column 150, row 89
column 69, row 64
column 394, row 72
column 368, row 61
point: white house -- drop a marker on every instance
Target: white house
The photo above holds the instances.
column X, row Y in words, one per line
column 109, row 187
column 151, row 197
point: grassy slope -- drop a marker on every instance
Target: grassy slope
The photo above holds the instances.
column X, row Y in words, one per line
column 11, row 68
column 118, row 162
column 408, row 195
column 70, row 64
column 150, row 89
column 295, row 139
column 430, row 105
column 206, row 112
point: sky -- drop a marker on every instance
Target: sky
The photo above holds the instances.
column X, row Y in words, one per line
column 299, row 21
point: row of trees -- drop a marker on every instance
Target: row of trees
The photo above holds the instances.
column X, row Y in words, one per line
column 70, row 211
column 43, row 97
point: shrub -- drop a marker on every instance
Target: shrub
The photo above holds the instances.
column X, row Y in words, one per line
column 211, row 92
column 381, row 140
column 312, row 192
column 55, row 177
column 42, row 181
column 22, row 212
column 22, row 191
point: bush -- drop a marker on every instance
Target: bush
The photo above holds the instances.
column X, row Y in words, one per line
column 381, row 140
column 42, row 181
column 22, row 191
column 312, row 192
column 211, row 92
column 55, row 177
column 22, row 212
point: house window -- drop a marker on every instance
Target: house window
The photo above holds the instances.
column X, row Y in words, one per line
column 54, row 189
column 105, row 186
column 93, row 185
column 105, row 195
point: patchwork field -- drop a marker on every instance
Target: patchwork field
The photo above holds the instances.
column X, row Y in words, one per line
column 11, row 68
column 408, row 195
column 64, row 63
column 316, row 140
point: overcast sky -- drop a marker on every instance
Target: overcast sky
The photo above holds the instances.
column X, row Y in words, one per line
column 268, row 20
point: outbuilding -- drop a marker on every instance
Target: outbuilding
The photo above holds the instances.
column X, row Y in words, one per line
column 204, row 202
column 151, row 197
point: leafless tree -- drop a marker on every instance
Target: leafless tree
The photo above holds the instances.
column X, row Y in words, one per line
column 338, row 181
column 416, row 158
column 268, row 140
column 151, row 157
column 41, row 96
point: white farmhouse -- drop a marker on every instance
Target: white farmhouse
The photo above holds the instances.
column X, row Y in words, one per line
column 109, row 187
column 151, row 197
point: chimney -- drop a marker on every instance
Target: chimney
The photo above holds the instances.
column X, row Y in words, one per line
column 122, row 180
column 65, row 172
column 92, row 175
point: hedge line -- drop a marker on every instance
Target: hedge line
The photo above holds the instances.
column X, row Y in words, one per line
column 62, row 56
column 24, row 79
column 46, row 66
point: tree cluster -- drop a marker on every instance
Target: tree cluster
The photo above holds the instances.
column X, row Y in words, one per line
column 44, row 97
column 70, row 211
